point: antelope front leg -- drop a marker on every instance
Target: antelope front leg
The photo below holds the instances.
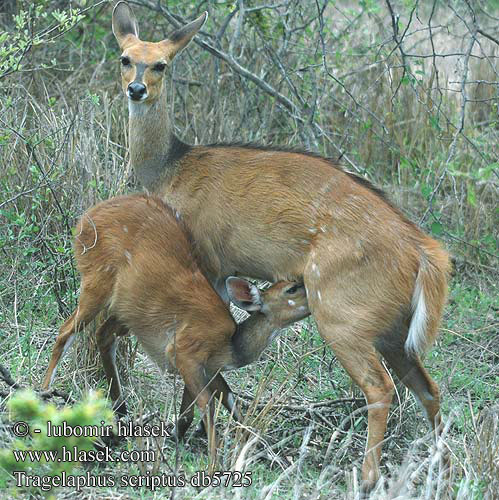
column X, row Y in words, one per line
column 221, row 389
column 186, row 416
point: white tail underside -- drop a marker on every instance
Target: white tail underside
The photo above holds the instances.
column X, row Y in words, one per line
column 416, row 338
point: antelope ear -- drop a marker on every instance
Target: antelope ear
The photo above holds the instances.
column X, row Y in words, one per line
column 243, row 294
column 181, row 37
column 125, row 26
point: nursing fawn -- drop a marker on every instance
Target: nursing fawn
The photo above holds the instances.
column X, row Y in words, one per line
column 135, row 260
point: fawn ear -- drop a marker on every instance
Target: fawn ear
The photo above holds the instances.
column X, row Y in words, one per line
column 181, row 37
column 125, row 26
column 243, row 294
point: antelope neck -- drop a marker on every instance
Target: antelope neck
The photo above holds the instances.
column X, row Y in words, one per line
column 153, row 145
column 251, row 338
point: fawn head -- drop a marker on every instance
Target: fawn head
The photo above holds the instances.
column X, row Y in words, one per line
column 282, row 304
column 143, row 64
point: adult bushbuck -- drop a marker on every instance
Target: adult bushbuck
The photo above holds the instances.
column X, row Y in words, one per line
column 375, row 282
column 136, row 260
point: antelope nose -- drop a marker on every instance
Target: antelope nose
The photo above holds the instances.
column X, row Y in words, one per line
column 136, row 91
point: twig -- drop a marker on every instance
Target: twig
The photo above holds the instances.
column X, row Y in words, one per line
column 487, row 35
column 460, row 128
column 38, row 163
column 304, row 408
column 5, row 376
column 56, row 393
column 399, row 40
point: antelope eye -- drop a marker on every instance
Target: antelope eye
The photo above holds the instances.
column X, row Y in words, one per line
column 125, row 61
column 159, row 67
column 293, row 289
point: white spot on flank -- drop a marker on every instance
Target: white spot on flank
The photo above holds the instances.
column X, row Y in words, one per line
column 291, row 303
column 319, row 295
column 323, row 229
column 128, row 256
column 416, row 338
column 315, row 268
column 125, row 229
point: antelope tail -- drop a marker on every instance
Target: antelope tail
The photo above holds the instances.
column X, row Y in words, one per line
column 428, row 298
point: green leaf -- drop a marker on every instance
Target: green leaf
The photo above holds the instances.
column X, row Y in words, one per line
column 471, row 195
column 425, row 190
column 436, row 228
column 434, row 122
